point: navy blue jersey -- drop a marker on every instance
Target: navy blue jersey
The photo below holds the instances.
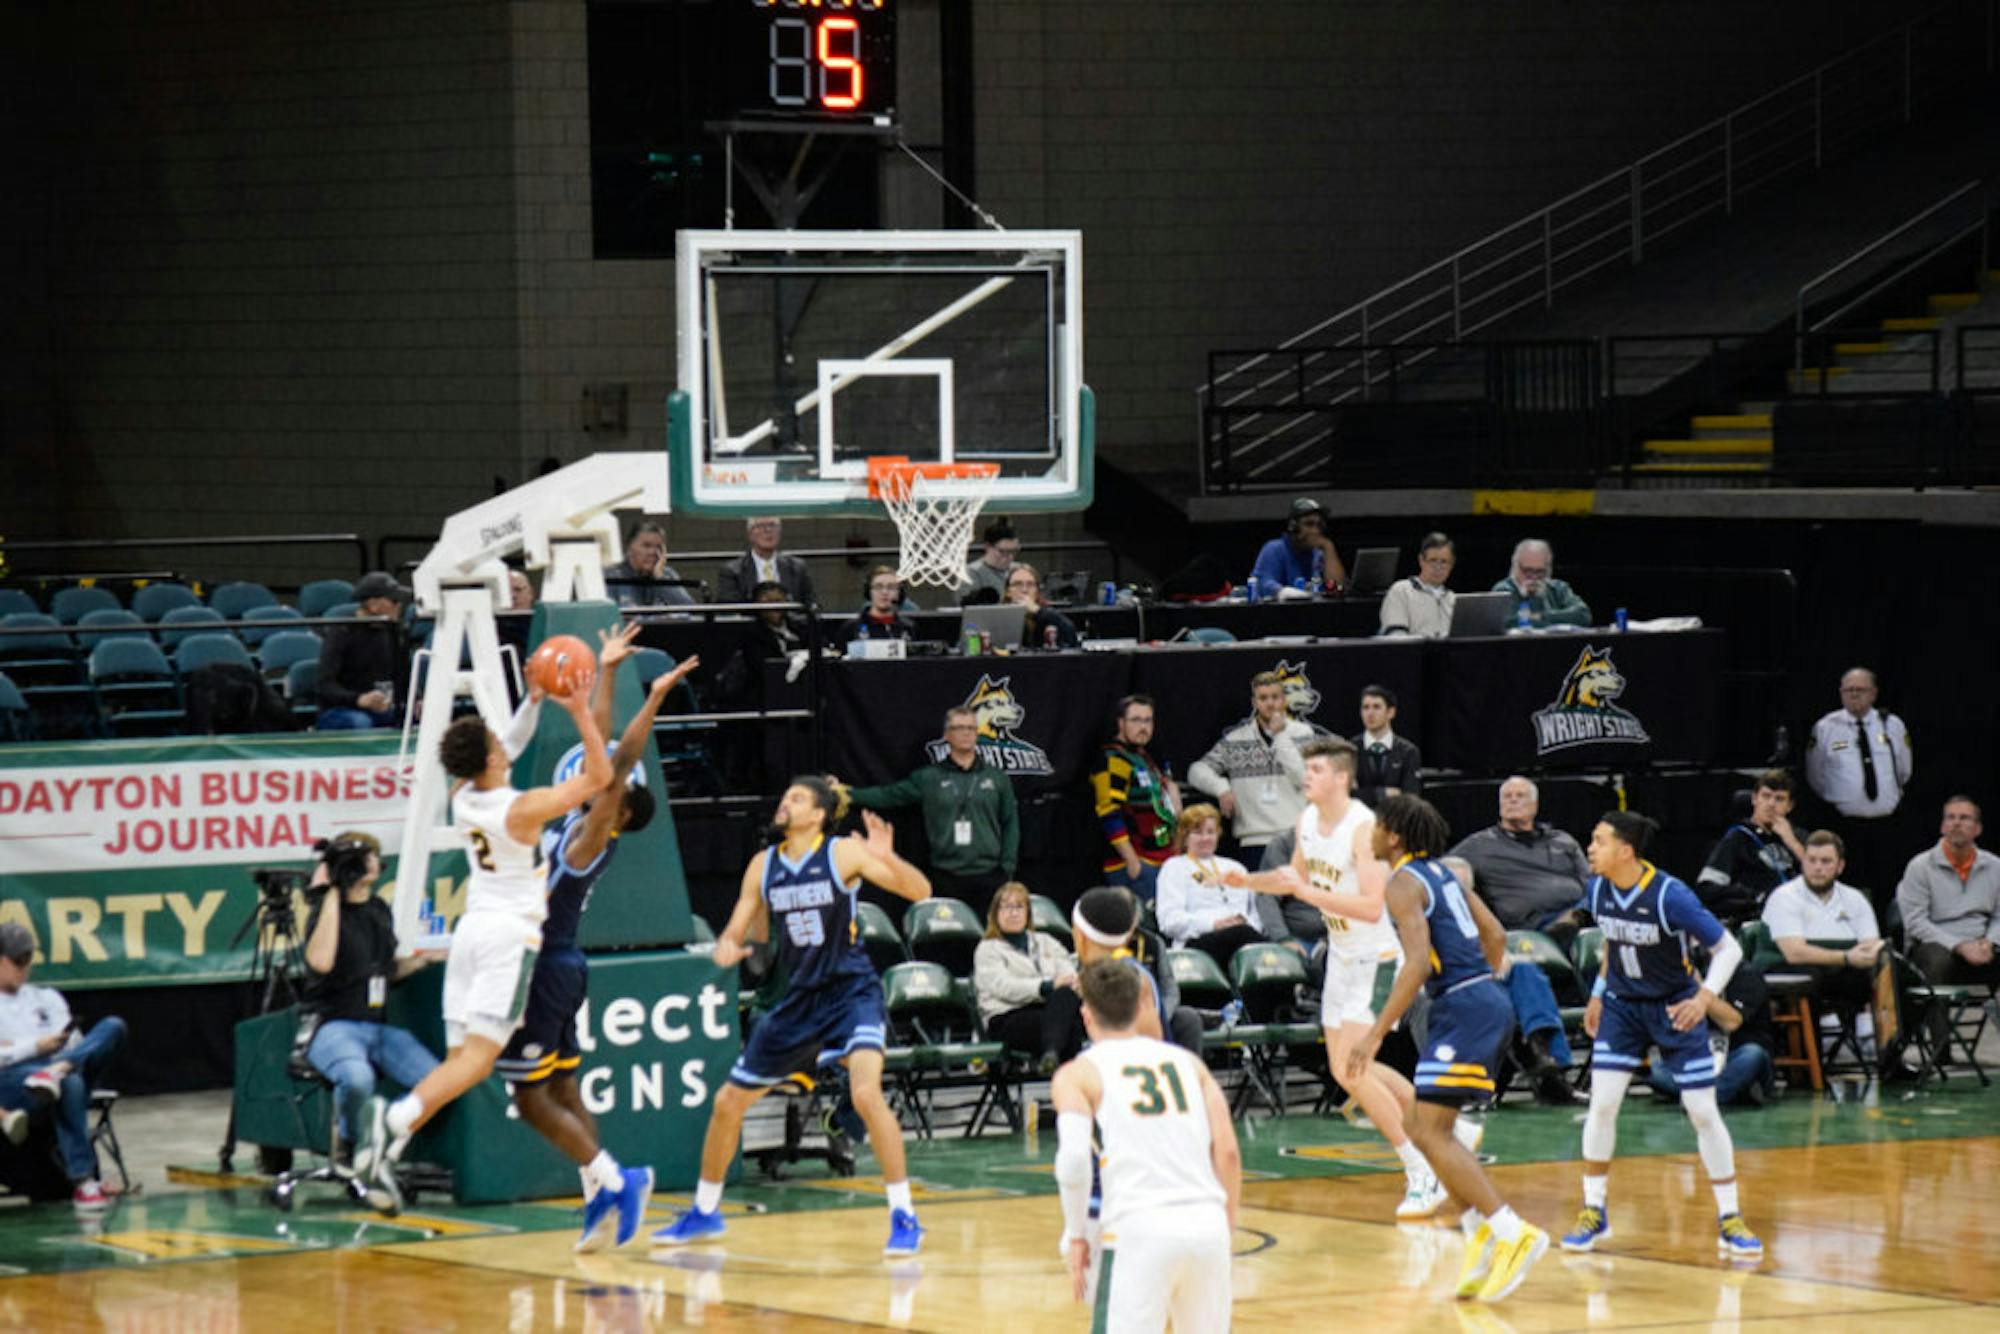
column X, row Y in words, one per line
column 1646, row 934
column 813, row 918
column 1455, row 953
column 569, row 888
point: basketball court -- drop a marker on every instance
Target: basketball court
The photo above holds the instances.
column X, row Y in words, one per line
column 1871, row 1211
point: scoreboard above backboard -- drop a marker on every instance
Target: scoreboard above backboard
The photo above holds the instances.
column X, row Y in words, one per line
column 815, row 60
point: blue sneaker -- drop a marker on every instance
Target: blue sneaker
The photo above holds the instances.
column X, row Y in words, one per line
column 632, row 1202
column 692, row 1225
column 1735, row 1240
column 904, row 1234
column 600, row 1212
column 1593, row 1225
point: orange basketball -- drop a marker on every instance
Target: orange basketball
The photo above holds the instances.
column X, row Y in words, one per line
column 561, row 665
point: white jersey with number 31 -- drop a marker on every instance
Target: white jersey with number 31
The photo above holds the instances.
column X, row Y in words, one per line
column 506, row 876
column 1153, row 1123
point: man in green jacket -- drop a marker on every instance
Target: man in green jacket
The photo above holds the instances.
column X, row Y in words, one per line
column 1532, row 581
column 969, row 815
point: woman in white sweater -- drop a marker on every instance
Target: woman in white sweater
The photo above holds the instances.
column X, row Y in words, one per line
column 1025, row 982
column 1197, row 910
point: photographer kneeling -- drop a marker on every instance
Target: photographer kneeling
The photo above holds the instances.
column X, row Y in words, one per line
column 350, row 962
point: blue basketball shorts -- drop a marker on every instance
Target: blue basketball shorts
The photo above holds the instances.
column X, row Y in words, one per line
column 1627, row 1028
column 813, row 1026
column 1466, row 1038
column 545, row 1044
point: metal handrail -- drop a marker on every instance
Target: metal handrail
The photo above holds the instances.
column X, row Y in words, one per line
column 1820, row 280
column 1452, row 297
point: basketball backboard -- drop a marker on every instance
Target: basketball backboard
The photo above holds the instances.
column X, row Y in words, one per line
column 802, row 354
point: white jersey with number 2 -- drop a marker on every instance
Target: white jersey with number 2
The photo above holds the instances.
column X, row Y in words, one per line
column 1153, row 1124
column 506, row 876
column 1329, row 862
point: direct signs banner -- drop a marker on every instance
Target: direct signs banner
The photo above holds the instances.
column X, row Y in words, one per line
column 131, row 861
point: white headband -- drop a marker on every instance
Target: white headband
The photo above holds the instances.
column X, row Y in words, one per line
column 1092, row 934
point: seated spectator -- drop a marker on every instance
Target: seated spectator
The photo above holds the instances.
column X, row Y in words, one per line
column 1025, row 982
column 1950, row 900
column 1136, row 801
column 1754, row 856
column 764, row 563
column 45, row 1062
column 645, row 561
column 1531, row 579
column 1255, row 771
column 1303, row 925
column 986, row 578
column 1386, row 765
column 769, row 634
column 1303, row 557
column 362, row 664
column 1043, row 627
column 1196, row 909
column 1540, row 1047
column 1810, row 912
column 1532, row 875
column 1740, row 1023
column 1421, row 605
column 520, row 590
column 881, row 618
column 350, row 957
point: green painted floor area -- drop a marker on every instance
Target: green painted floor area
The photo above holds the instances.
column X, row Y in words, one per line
column 204, row 1224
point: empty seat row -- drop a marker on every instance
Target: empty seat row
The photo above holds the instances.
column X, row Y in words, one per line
column 153, row 602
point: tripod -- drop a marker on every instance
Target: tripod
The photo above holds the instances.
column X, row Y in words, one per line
column 277, row 963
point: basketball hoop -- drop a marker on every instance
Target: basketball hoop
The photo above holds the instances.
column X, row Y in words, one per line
column 934, row 506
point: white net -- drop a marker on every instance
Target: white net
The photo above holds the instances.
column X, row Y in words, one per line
column 934, row 518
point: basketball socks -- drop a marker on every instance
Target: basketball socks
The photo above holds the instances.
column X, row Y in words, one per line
column 899, row 1196
column 1595, row 1189
column 1415, row 1165
column 1506, row 1226
column 602, row 1173
column 403, row 1114
column 1725, row 1199
column 1469, row 1222
column 708, row 1196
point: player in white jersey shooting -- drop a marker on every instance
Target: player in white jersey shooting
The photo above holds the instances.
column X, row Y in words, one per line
column 496, row 941
column 1334, row 868
column 1172, row 1173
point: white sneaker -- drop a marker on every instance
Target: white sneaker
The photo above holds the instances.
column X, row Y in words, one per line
column 14, row 1125
column 1424, row 1197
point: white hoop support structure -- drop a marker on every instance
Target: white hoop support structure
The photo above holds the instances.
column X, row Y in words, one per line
column 934, row 506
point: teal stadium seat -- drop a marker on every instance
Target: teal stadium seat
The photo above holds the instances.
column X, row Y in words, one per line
column 136, row 687
column 181, row 622
column 269, row 621
column 232, row 600
column 200, row 650
column 154, row 601
column 943, row 931
column 320, row 594
column 110, row 623
column 285, row 647
column 71, row 605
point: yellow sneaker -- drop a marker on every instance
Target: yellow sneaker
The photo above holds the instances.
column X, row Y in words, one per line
column 1478, row 1262
column 1511, row 1263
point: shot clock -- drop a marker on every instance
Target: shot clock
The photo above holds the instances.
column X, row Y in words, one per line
column 815, row 60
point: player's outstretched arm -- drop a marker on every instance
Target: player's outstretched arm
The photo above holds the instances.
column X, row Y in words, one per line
column 1358, row 905
column 1075, row 1091
column 613, row 647
column 731, row 947
column 873, row 857
column 1223, row 1152
column 537, row 806
column 589, row 840
column 1406, row 906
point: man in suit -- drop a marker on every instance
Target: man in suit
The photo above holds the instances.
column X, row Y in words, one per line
column 1388, row 765
column 762, row 563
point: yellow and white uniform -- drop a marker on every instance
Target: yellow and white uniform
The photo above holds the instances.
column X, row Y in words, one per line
column 1357, row 952
column 1165, row 1215
column 496, row 942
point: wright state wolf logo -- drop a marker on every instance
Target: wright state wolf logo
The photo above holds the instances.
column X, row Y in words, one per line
column 1000, row 716
column 1585, row 712
column 1301, row 700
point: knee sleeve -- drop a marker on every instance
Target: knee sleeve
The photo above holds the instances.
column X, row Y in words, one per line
column 1718, row 1152
column 1600, row 1124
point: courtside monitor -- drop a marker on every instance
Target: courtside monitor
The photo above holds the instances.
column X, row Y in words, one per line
column 803, row 354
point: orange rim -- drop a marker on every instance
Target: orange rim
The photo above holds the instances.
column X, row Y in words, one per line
column 895, row 472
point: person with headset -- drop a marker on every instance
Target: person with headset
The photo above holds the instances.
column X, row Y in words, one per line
column 1305, row 552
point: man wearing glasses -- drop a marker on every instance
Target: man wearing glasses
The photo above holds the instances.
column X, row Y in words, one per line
column 1532, row 581
column 1421, row 605
column 969, row 814
column 988, row 574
